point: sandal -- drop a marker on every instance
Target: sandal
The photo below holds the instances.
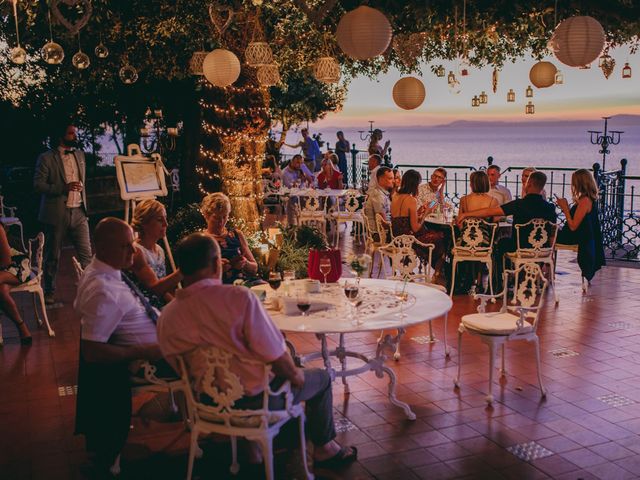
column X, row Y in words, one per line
column 345, row 456
column 26, row 341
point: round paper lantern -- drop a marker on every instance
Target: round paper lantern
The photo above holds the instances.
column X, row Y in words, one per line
column 543, row 74
column 409, row 93
column 363, row 33
column 258, row 53
column 327, row 70
column 268, row 75
column 577, row 41
column 221, row 67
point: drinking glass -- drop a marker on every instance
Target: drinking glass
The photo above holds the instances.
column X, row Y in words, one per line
column 351, row 291
column 303, row 304
column 402, row 295
column 325, row 269
column 288, row 276
column 275, row 279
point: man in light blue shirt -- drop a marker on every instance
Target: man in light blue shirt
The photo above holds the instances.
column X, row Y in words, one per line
column 294, row 175
column 379, row 201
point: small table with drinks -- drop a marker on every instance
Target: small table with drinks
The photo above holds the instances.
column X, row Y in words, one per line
column 352, row 306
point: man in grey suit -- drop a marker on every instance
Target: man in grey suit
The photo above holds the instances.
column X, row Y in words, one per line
column 59, row 177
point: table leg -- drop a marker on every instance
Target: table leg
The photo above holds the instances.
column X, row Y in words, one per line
column 340, row 353
column 377, row 364
column 326, row 355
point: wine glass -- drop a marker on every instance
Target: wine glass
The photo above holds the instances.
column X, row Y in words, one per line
column 351, row 291
column 288, row 276
column 402, row 295
column 325, row 269
column 275, row 279
column 303, row 304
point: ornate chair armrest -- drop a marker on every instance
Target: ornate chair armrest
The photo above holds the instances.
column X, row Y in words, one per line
column 285, row 389
column 484, row 299
column 523, row 315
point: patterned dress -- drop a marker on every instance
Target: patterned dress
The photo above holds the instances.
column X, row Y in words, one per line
column 156, row 260
column 20, row 266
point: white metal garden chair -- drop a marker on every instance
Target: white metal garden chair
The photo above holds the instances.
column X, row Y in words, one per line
column 517, row 319
column 312, row 211
column 401, row 252
column 535, row 242
column 473, row 242
column 348, row 209
column 34, row 284
column 224, row 388
column 8, row 218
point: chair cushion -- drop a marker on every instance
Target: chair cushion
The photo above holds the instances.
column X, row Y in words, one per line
column 252, row 421
column 494, row 323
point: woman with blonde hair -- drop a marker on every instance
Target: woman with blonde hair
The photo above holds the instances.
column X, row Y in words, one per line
column 238, row 262
column 582, row 225
column 479, row 196
column 149, row 263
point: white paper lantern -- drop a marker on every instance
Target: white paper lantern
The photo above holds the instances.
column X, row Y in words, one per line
column 327, row 70
column 577, row 41
column 196, row 62
column 409, row 93
column 543, row 74
column 363, row 33
column 258, row 53
column 221, row 67
column 268, row 75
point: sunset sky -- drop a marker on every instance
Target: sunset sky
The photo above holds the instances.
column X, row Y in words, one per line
column 586, row 94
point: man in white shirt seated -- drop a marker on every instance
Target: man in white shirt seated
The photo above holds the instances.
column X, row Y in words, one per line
column 118, row 327
column 373, row 165
column 207, row 313
column 501, row 193
column 379, row 201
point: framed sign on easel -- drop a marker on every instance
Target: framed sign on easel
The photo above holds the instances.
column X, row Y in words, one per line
column 141, row 177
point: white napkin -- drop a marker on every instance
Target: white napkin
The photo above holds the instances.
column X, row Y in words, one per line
column 289, row 305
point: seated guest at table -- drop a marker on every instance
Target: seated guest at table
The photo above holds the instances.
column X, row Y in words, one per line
column 431, row 194
column 15, row 269
column 270, row 168
column 149, row 269
column 501, row 193
column 296, row 173
column 405, row 220
column 372, row 165
column 118, row 327
column 582, row 226
column 379, row 201
column 237, row 260
column 397, row 180
column 526, row 173
column 206, row 313
column 329, row 176
column 479, row 196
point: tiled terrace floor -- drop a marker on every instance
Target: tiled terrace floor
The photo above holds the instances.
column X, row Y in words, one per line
column 589, row 424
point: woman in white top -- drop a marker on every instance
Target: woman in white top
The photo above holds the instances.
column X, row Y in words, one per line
column 149, row 266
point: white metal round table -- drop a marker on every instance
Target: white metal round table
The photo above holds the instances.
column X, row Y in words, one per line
column 381, row 309
column 305, row 192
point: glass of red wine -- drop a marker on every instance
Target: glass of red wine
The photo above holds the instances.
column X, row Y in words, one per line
column 275, row 279
column 303, row 304
column 325, row 268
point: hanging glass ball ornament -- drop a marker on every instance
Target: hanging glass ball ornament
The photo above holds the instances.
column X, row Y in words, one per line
column 52, row 53
column 101, row 50
column 81, row 60
column 128, row 74
column 18, row 55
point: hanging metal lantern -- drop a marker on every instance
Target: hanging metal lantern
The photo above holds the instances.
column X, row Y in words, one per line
column 441, row 72
column 451, row 78
column 528, row 92
column 511, row 95
column 530, row 108
column 268, row 75
column 475, row 101
column 327, row 70
column 626, row 71
column 258, row 53
column 559, row 80
column 483, row 98
column 196, row 62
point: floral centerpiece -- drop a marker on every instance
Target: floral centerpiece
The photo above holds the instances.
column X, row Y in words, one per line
column 359, row 263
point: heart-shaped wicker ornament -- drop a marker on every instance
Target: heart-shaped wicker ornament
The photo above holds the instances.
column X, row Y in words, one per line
column 221, row 16
column 83, row 8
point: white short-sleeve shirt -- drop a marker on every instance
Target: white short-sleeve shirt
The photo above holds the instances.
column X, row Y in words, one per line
column 109, row 311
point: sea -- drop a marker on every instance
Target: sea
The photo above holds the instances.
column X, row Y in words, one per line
column 539, row 144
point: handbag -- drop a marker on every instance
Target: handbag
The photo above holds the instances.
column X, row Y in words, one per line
column 313, row 265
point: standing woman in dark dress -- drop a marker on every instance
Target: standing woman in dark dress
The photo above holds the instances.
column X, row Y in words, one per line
column 238, row 262
column 582, row 227
column 14, row 270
